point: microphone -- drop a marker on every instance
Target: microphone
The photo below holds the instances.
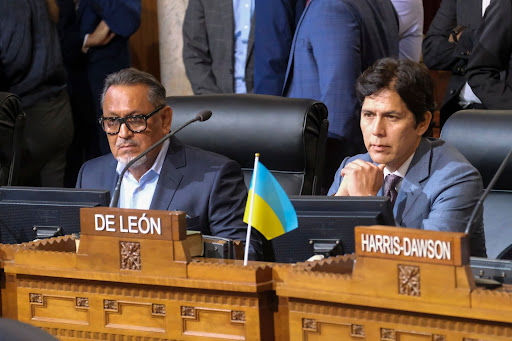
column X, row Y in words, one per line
column 201, row 116
column 487, row 190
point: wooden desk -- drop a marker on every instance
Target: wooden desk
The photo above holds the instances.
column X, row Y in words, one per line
column 388, row 290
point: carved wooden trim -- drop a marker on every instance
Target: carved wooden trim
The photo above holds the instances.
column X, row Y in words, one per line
column 93, row 335
column 82, row 302
column 36, row 298
column 409, row 280
column 387, row 334
column 86, row 287
column 357, row 330
column 437, row 337
column 110, row 305
column 238, row 316
column 309, row 325
column 463, row 326
column 158, row 309
column 188, row 312
column 130, row 255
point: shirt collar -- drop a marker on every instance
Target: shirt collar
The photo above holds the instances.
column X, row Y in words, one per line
column 157, row 165
column 402, row 170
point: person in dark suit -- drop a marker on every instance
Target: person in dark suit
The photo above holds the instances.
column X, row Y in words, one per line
column 208, row 187
column 218, row 45
column 432, row 186
column 335, row 41
column 105, row 28
column 31, row 67
column 448, row 45
column 275, row 23
column 490, row 66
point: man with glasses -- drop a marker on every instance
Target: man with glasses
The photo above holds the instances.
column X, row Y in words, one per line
column 207, row 186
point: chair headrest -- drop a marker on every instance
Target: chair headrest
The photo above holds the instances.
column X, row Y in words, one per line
column 245, row 124
column 484, row 137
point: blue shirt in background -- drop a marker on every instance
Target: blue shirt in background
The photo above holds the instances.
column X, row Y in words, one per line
column 242, row 12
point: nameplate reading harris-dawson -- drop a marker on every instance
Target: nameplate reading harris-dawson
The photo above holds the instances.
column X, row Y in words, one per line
column 411, row 244
column 131, row 223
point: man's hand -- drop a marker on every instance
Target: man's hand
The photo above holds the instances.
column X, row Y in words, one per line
column 361, row 178
column 101, row 36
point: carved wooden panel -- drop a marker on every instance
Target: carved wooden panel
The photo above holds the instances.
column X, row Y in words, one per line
column 387, row 334
column 409, row 280
column 57, row 308
column 213, row 323
column 82, row 302
column 130, row 255
column 110, row 305
column 135, row 316
column 237, row 316
column 158, row 309
column 309, row 325
column 357, row 330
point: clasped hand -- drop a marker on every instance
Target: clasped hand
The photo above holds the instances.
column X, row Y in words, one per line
column 361, row 178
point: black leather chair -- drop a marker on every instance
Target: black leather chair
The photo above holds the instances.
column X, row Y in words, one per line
column 289, row 134
column 12, row 122
column 484, row 137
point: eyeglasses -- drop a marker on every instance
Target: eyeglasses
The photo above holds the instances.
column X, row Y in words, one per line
column 136, row 123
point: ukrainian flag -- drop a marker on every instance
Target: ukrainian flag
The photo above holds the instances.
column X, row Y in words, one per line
column 272, row 212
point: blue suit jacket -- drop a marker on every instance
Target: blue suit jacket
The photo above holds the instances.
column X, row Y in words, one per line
column 275, row 23
column 209, row 187
column 439, row 192
column 335, row 41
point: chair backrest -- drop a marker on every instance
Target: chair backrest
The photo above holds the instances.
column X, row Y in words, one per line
column 289, row 134
column 12, row 122
column 484, row 137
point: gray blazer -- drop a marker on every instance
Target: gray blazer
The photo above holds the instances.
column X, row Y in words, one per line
column 208, row 47
column 438, row 192
column 209, row 187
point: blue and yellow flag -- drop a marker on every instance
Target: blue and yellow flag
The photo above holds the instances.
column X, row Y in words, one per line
column 272, row 212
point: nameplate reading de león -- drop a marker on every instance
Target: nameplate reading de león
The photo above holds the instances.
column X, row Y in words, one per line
column 128, row 224
column 133, row 223
column 412, row 245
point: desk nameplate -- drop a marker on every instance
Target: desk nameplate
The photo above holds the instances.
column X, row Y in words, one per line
column 405, row 244
column 132, row 223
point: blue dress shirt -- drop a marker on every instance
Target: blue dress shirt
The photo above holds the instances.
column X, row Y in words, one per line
column 242, row 12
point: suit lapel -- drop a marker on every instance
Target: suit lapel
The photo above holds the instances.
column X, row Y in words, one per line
column 411, row 188
column 170, row 177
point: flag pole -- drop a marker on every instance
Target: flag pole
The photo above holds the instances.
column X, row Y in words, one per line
column 249, row 224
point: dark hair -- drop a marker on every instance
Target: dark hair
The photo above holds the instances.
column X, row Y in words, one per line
column 409, row 79
column 132, row 76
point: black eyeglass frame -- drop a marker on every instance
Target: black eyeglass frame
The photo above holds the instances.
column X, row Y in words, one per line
column 122, row 120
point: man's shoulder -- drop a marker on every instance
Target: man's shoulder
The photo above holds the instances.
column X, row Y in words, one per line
column 445, row 158
column 101, row 161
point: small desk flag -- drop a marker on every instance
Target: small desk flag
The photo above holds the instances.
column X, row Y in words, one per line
column 272, row 212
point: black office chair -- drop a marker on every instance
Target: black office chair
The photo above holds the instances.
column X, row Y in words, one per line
column 484, row 137
column 289, row 134
column 12, row 122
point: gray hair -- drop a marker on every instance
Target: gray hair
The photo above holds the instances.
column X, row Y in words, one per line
column 132, row 76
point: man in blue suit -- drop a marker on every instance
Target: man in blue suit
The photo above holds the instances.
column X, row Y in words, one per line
column 208, row 187
column 335, row 41
column 432, row 186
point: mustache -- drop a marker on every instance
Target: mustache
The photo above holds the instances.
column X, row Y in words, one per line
column 126, row 142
